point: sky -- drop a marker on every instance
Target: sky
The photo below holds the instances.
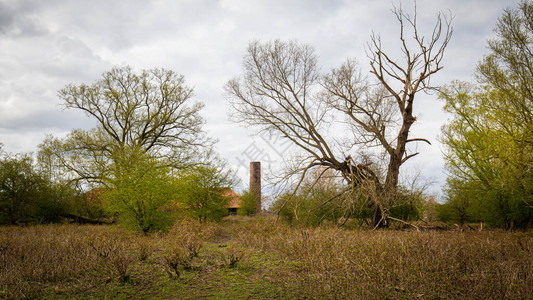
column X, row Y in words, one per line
column 45, row 45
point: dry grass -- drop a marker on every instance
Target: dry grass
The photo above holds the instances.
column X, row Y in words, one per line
column 335, row 263
column 260, row 258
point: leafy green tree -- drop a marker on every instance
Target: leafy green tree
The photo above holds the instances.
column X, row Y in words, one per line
column 147, row 128
column 200, row 191
column 25, row 195
column 459, row 208
column 248, row 205
column 490, row 139
column 150, row 111
column 142, row 192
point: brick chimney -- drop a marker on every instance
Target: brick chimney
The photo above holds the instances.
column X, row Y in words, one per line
column 255, row 183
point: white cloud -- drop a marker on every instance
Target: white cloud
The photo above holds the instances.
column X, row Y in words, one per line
column 48, row 44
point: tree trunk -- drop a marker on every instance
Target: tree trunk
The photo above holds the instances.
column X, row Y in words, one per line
column 377, row 218
column 388, row 194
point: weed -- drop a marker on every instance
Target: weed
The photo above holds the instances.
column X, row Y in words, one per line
column 176, row 258
column 114, row 255
column 192, row 245
column 232, row 256
column 145, row 249
column 262, row 259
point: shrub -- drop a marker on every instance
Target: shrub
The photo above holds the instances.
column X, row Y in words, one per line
column 310, row 208
column 200, row 192
column 145, row 249
column 232, row 256
column 26, row 196
column 141, row 191
column 248, row 204
column 181, row 255
column 113, row 253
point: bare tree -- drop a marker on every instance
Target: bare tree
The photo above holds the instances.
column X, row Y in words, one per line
column 149, row 112
column 282, row 90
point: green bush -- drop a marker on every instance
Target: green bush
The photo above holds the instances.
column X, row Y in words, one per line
column 310, row 209
column 142, row 193
column 26, row 196
column 408, row 205
column 248, row 204
column 199, row 192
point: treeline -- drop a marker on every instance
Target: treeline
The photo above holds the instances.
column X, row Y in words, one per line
column 489, row 140
column 147, row 160
column 26, row 195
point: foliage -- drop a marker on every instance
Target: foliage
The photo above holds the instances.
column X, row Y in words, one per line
column 490, row 138
column 408, row 204
column 309, row 208
column 200, row 191
column 147, row 127
column 150, row 111
column 90, row 204
column 142, row 192
column 248, row 205
column 320, row 198
column 26, row 196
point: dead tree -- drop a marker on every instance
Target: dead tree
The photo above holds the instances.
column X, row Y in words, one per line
column 282, row 91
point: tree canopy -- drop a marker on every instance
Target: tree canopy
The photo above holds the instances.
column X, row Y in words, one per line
column 151, row 111
column 148, row 130
column 489, row 140
column 26, row 195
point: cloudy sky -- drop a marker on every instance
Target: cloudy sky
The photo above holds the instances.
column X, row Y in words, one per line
column 45, row 45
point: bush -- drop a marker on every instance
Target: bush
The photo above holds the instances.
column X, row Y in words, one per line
column 141, row 191
column 248, row 204
column 26, row 196
column 408, row 205
column 309, row 209
column 200, row 192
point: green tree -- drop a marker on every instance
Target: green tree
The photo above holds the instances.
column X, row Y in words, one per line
column 490, row 139
column 25, row 195
column 248, row 205
column 147, row 128
column 142, row 193
column 150, row 111
column 200, row 191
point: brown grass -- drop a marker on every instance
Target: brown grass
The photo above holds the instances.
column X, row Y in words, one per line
column 260, row 258
column 335, row 263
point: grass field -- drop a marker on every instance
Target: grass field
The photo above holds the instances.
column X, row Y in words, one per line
column 247, row 258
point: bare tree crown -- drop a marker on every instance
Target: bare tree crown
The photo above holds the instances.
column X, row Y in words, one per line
column 282, row 90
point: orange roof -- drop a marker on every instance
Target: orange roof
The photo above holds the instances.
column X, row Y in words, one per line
column 234, row 198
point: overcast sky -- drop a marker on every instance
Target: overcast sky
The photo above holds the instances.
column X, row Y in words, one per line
column 45, row 45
